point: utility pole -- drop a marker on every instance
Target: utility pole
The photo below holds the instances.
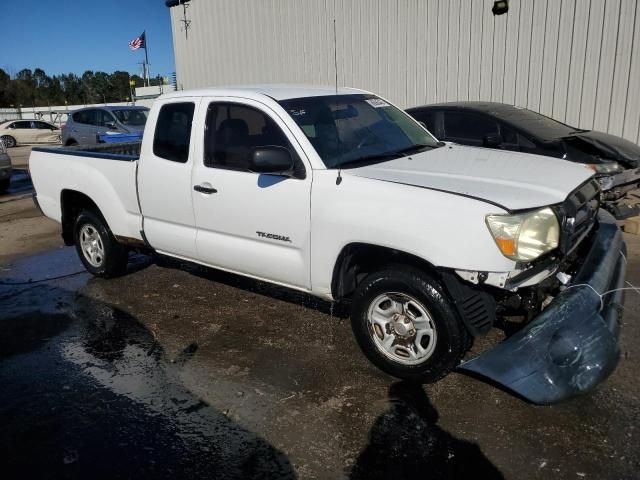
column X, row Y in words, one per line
column 146, row 59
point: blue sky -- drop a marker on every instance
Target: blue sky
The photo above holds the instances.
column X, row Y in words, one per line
column 62, row 36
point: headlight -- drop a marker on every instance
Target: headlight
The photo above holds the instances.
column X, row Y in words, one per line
column 606, row 168
column 526, row 236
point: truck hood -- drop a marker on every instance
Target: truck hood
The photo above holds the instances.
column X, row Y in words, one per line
column 511, row 180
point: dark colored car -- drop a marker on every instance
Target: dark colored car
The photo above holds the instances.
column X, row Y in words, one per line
column 615, row 161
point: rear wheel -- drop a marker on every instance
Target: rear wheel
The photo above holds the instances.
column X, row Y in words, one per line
column 71, row 143
column 4, row 185
column 97, row 248
column 8, row 141
column 406, row 326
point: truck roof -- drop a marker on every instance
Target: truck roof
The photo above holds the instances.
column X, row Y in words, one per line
column 275, row 91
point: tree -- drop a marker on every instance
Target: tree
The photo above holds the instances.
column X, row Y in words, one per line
column 4, row 88
column 35, row 88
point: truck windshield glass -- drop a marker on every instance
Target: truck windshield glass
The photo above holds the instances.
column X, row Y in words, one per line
column 133, row 117
column 351, row 130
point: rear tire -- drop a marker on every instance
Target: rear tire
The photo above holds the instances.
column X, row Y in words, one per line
column 4, row 185
column 71, row 143
column 8, row 141
column 406, row 325
column 97, row 248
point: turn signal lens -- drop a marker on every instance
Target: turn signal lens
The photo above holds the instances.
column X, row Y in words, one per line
column 507, row 246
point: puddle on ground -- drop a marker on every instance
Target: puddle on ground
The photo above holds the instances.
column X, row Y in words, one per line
column 87, row 391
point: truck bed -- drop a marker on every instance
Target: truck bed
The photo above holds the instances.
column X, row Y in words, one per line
column 105, row 174
column 113, row 151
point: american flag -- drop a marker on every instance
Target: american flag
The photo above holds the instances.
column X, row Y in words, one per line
column 137, row 42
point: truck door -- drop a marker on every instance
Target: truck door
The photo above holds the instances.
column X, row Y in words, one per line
column 249, row 223
column 164, row 180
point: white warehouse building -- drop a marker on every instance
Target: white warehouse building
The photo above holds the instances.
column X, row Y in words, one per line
column 575, row 60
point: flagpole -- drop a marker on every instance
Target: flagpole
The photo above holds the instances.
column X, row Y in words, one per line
column 146, row 58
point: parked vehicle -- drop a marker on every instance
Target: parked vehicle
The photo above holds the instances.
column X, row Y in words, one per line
column 497, row 125
column 86, row 125
column 17, row 132
column 344, row 196
column 5, row 169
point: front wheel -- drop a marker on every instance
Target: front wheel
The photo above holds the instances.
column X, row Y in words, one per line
column 406, row 326
column 8, row 141
column 98, row 250
column 4, row 185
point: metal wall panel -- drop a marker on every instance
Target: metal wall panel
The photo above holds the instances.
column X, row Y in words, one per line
column 575, row 60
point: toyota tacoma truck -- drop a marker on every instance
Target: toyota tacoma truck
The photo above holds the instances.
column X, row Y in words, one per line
column 338, row 193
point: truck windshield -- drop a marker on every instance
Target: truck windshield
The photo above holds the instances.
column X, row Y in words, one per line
column 351, row 130
column 132, row 117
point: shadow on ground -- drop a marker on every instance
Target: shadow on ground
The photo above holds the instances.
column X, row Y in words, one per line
column 255, row 286
column 406, row 442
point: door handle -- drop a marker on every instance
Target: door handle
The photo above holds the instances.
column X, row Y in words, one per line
column 203, row 189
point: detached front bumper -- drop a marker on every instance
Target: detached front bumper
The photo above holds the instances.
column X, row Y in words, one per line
column 572, row 346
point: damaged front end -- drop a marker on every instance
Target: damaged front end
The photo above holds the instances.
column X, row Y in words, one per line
column 569, row 341
column 616, row 195
column 572, row 345
column 615, row 162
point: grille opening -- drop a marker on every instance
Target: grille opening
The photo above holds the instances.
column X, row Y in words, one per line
column 578, row 212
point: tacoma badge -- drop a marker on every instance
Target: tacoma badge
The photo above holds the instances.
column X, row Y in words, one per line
column 274, row 236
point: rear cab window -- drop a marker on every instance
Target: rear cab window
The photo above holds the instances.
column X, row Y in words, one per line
column 172, row 136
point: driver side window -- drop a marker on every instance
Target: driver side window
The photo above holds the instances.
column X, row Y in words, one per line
column 105, row 118
column 232, row 133
column 468, row 128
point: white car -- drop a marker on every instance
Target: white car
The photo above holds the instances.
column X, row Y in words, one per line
column 340, row 194
column 20, row 132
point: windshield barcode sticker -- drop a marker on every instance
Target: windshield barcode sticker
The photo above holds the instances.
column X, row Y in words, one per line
column 377, row 102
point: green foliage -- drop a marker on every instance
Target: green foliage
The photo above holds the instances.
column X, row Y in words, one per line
column 36, row 88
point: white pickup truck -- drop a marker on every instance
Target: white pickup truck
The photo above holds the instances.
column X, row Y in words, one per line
column 341, row 194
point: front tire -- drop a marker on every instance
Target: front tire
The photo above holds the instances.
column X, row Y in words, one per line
column 4, row 185
column 406, row 326
column 8, row 141
column 97, row 248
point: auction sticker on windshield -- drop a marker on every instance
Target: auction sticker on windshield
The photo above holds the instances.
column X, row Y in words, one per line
column 377, row 102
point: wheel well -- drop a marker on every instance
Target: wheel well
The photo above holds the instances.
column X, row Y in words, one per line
column 70, row 141
column 71, row 204
column 357, row 260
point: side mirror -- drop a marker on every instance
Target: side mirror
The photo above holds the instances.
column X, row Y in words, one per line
column 492, row 141
column 111, row 125
column 272, row 160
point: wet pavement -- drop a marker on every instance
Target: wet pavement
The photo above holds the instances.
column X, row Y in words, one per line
column 175, row 370
column 20, row 185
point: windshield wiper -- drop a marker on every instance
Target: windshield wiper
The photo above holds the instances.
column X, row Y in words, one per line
column 386, row 155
